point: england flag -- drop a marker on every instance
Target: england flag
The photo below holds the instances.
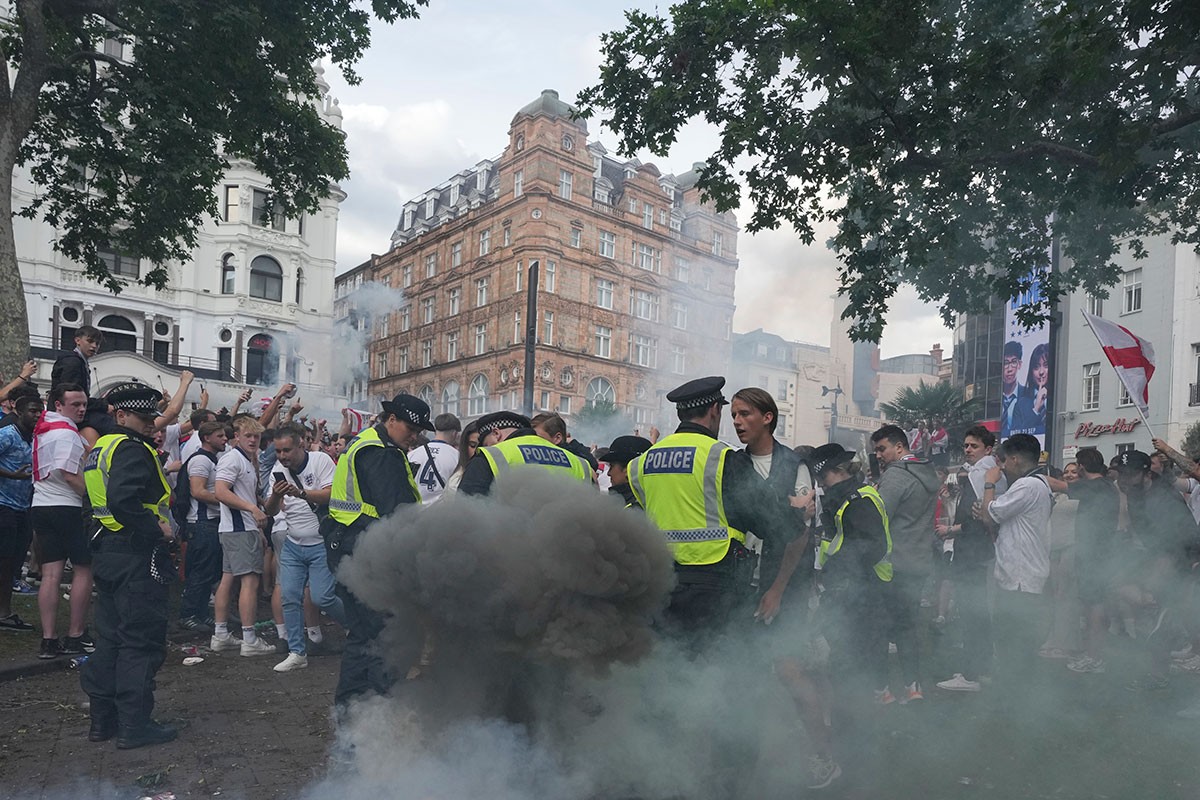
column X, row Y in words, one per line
column 1130, row 355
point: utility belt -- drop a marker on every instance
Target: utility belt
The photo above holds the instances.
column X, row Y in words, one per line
column 339, row 539
column 734, row 572
column 121, row 542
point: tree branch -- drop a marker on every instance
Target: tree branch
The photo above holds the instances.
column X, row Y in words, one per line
column 1177, row 122
column 1056, row 150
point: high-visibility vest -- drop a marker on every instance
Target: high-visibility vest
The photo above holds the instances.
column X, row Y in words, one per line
column 95, row 476
column 532, row 450
column 679, row 482
column 346, row 502
column 883, row 567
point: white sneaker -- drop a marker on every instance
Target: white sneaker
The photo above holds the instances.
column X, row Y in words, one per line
column 257, row 648
column 1180, row 655
column 1187, row 665
column 226, row 642
column 959, row 684
column 822, row 772
column 293, row 661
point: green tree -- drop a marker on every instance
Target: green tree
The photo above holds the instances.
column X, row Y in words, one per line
column 946, row 140
column 126, row 152
column 599, row 422
column 930, row 401
column 1190, row 446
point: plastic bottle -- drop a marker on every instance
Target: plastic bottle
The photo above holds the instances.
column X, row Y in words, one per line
column 78, row 661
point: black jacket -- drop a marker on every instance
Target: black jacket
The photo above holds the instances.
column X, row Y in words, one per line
column 70, row 367
column 864, row 541
column 625, row 492
column 780, row 524
column 134, row 480
column 383, row 476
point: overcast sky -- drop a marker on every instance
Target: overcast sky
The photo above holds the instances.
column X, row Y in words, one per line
column 438, row 94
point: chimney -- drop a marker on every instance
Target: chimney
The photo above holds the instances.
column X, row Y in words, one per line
column 936, row 352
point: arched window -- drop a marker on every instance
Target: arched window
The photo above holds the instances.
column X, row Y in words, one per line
column 450, row 398
column 299, row 285
column 426, row 394
column 262, row 360
column 477, row 396
column 228, row 274
column 266, row 279
column 599, row 390
column 119, row 333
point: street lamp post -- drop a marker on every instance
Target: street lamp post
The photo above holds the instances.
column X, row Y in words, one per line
column 833, row 408
column 530, row 335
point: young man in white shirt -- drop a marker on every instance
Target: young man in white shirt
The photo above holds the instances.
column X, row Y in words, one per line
column 57, row 516
column 301, row 486
column 1021, row 517
column 435, row 462
column 203, row 520
column 243, row 542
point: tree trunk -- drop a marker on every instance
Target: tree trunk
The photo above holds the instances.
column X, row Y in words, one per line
column 14, row 317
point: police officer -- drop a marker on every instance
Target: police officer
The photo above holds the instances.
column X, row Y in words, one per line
column 129, row 496
column 856, row 565
column 509, row 441
column 699, row 491
column 623, row 450
column 373, row 478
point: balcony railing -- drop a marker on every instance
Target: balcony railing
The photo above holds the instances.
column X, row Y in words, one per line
column 1194, row 394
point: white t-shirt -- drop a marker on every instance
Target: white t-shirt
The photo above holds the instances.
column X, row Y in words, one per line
column 445, row 456
column 301, row 521
column 203, row 467
column 236, row 469
column 192, row 445
column 58, row 450
column 1023, row 542
column 762, row 464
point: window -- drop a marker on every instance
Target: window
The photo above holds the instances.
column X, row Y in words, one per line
column 485, row 242
column 1123, row 398
column 403, row 359
column 678, row 360
column 520, row 271
column 228, row 274
column 649, row 258
column 477, row 396
column 676, row 224
column 599, row 390
column 643, row 350
column 406, row 276
column 450, row 398
column 679, row 315
column 430, row 207
column 1124, row 447
column 122, row 264
column 456, row 255
column 551, row 277
column 455, row 189
column 507, row 236
column 405, row 317
column 544, row 401
column 225, row 362
column 683, row 270
column 781, row 389
column 1131, row 284
column 119, row 333
column 455, row 300
column 264, row 213
column 1091, row 387
column 781, row 426
column 576, row 238
column 1095, row 305
column 604, row 293
column 266, row 279
column 564, row 404
column 548, row 329
column 518, row 183
column 601, row 194
column 633, row 205
column 381, row 365
column 718, row 244
column 430, row 265
column 452, row 346
column 481, row 338
column 481, row 292
column 384, row 325
column 603, row 341
column 229, row 211
column 426, row 395
column 481, row 180
column 426, row 352
column 643, row 304
column 426, row 310
column 516, row 337
column 262, row 359
column 647, row 216
column 608, row 244
column 565, row 180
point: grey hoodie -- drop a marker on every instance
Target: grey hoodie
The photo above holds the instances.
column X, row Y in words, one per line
column 909, row 489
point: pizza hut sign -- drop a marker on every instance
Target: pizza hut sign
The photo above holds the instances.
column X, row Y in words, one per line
column 1087, row 429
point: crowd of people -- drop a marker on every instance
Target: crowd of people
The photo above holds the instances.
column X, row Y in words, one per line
column 833, row 554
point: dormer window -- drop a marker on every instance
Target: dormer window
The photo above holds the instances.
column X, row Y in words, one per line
column 481, row 180
column 454, row 193
column 408, row 217
column 430, row 206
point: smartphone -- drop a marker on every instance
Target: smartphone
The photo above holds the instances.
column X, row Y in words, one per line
column 280, row 477
column 873, row 465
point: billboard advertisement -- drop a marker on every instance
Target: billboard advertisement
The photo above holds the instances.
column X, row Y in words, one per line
column 1026, row 370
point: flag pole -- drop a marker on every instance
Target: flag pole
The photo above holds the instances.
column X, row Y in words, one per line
column 1087, row 320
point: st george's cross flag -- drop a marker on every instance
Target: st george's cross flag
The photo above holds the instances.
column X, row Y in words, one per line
column 1130, row 355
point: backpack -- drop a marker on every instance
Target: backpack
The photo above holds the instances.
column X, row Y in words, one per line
column 181, row 502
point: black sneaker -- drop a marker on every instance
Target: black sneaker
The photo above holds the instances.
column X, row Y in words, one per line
column 77, row 645
column 14, row 623
column 150, row 733
column 51, row 648
column 195, row 625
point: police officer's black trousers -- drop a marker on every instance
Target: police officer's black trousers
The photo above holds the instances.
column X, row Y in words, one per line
column 363, row 668
column 131, row 635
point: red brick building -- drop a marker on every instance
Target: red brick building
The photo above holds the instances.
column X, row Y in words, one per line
column 635, row 292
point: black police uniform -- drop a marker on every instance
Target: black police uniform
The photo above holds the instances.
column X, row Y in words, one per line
column 383, row 478
column 131, row 606
column 477, row 475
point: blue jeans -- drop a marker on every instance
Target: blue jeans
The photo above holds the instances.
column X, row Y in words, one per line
column 298, row 565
